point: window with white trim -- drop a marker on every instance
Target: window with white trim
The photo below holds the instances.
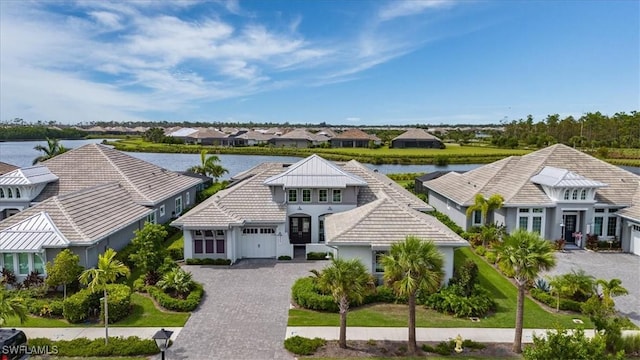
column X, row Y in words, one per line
column 151, row 218
column 9, row 193
column 178, row 205
column 531, row 219
column 38, row 263
column 208, row 241
column 574, row 195
column 162, row 211
column 605, row 222
column 377, row 261
column 583, row 194
column 306, row 195
column 292, row 195
column 567, row 193
column 23, row 264
column 477, row 218
column 17, row 193
column 323, row 195
column 7, row 260
column 337, row 196
column 187, row 198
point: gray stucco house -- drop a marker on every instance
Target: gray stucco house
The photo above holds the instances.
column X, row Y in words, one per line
column 313, row 205
column 558, row 191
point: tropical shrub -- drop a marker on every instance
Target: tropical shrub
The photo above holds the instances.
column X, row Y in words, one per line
column 177, row 281
column 491, row 257
column 75, row 308
column 303, row 346
column 551, row 301
column 284, row 257
column 208, row 261
column 318, row 256
column 561, row 344
column 165, row 300
column 306, row 294
column 480, row 250
column 451, row 300
column 119, row 302
column 542, row 284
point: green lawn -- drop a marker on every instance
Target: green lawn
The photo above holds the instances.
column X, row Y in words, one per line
column 144, row 313
column 502, row 291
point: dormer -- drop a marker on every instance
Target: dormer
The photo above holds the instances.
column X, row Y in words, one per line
column 562, row 185
column 24, row 185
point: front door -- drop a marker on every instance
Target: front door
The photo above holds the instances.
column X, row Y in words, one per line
column 300, row 229
column 570, row 225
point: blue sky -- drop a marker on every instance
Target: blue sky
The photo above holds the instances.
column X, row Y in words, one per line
column 350, row 62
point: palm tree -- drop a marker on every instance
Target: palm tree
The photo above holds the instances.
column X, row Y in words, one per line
column 53, row 148
column 108, row 270
column 610, row 289
column 526, row 254
column 348, row 281
column 177, row 280
column 209, row 166
column 410, row 266
column 11, row 307
column 485, row 206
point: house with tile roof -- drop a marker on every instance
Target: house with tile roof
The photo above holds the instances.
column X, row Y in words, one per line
column 5, row 168
column 298, row 138
column 87, row 222
column 416, row 138
column 313, row 205
column 354, row 138
column 558, row 191
column 205, row 136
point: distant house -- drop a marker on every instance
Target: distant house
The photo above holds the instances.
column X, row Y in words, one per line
column 298, row 138
column 354, row 138
column 207, row 137
column 182, row 133
column 87, row 222
column 251, row 138
column 313, row 205
column 5, row 168
column 328, row 132
column 416, row 138
column 558, row 192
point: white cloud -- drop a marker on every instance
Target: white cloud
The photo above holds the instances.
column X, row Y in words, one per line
column 353, row 119
column 110, row 20
column 401, row 8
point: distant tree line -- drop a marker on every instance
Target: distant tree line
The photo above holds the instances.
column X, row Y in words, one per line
column 594, row 130
column 38, row 132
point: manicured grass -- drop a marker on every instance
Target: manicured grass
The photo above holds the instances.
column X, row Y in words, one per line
column 395, row 315
column 144, row 313
column 466, row 357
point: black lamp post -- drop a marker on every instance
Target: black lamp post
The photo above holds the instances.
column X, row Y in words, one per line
column 162, row 340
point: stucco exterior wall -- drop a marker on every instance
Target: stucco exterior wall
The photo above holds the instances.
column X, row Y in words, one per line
column 363, row 253
column 454, row 211
column 170, row 205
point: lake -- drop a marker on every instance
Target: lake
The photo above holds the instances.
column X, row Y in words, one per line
column 21, row 153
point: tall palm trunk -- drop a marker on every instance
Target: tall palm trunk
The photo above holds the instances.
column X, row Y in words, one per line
column 344, row 307
column 517, row 341
column 106, row 318
column 412, row 324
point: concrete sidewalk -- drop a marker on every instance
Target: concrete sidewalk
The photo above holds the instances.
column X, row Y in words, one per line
column 484, row 335
column 95, row 332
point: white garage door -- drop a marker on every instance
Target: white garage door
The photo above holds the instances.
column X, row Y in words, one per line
column 258, row 243
column 635, row 239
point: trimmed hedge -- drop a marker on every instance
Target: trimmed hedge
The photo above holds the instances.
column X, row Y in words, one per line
column 83, row 347
column 303, row 346
column 447, row 221
column 318, row 256
column 208, row 261
column 176, row 249
column 75, row 308
column 284, row 257
column 450, row 300
column 552, row 301
column 183, row 305
column 119, row 302
column 306, row 294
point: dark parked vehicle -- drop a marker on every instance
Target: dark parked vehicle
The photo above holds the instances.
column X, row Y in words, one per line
column 13, row 345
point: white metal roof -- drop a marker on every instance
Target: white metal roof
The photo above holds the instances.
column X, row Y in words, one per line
column 556, row 177
column 183, row 132
column 32, row 235
column 315, row 172
column 38, row 174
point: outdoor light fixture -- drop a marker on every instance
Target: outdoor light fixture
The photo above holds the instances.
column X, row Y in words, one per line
column 162, row 340
column 330, row 209
column 299, row 207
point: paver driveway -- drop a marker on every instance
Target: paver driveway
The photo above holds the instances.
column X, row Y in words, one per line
column 625, row 267
column 244, row 312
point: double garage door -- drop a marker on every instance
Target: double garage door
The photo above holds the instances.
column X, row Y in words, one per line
column 635, row 239
column 258, row 243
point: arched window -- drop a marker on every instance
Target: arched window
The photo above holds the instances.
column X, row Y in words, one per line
column 575, row 195
column 17, row 193
column 566, row 194
column 583, row 194
column 9, row 193
column 1, row 194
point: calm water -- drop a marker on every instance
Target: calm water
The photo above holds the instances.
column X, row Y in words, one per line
column 22, row 154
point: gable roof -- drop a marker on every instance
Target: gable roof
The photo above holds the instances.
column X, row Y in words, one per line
column 555, row 177
column 632, row 213
column 95, row 164
column 314, row 172
column 355, row 134
column 512, row 178
column 299, row 134
column 32, row 235
column 384, row 222
column 86, row 216
column 412, row 134
column 206, row 134
column 5, row 167
column 182, row 132
column 32, row 175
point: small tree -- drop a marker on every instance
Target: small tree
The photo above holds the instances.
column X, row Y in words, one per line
column 209, row 166
column 65, row 269
column 410, row 266
column 149, row 254
column 610, row 289
column 485, row 206
column 97, row 279
column 11, row 307
column 53, row 148
column 348, row 281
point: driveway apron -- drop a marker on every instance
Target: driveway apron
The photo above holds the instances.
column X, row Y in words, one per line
column 602, row 265
column 244, row 312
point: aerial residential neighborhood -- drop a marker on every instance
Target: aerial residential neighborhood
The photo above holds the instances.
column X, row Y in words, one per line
column 392, row 179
